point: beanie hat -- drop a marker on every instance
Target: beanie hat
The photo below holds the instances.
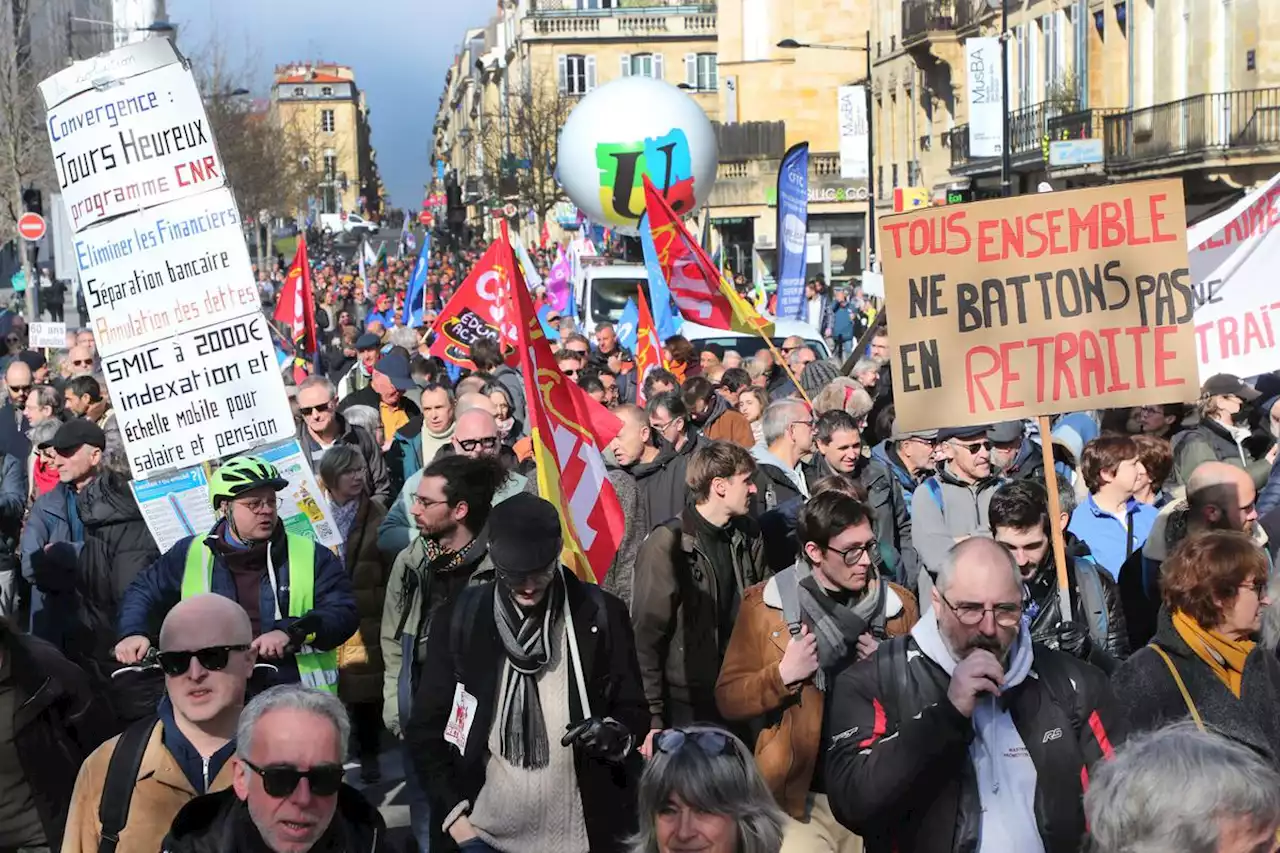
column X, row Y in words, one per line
column 817, row 375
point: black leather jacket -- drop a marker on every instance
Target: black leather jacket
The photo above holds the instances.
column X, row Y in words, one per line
column 1040, row 597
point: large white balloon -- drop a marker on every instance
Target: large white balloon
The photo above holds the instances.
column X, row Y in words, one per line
column 628, row 128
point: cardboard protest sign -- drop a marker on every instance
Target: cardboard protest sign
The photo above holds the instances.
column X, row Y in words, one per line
column 1235, row 257
column 199, row 396
column 128, row 131
column 167, row 270
column 1041, row 304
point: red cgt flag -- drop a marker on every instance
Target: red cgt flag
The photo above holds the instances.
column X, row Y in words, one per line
column 648, row 348
column 699, row 290
column 297, row 308
column 569, row 431
column 481, row 307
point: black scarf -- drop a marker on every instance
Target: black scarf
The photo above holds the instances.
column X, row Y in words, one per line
column 526, row 637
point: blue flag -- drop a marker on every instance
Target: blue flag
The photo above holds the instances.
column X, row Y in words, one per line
column 666, row 319
column 793, row 223
column 415, row 293
column 627, row 324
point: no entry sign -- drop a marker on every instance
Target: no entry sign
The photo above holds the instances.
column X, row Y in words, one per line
column 424, row 218
column 31, row 226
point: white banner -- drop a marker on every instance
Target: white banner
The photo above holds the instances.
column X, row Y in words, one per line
column 855, row 138
column 139, row 139
column 199, row 396
column 50, row 335
column 165, row 271
column 983, row 79
column 1234, row 257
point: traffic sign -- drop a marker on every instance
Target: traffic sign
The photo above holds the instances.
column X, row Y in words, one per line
column 31, row 226
column 424, row 218
column 510, row 210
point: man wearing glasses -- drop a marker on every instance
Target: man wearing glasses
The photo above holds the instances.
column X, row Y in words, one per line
column 793, row 634
column 789, row 431
column 321, row 426
column 288, row 795
column 963, row 735
column 206, row 660
column 951, row 506
column 297, row 594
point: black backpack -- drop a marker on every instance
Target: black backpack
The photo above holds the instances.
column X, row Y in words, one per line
column 121, row 778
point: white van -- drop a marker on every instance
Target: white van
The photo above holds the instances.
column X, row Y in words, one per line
column 606, row 288
column 352, row 223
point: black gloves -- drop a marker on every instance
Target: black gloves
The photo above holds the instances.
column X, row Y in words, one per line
column 604, row 738
column 1072, row 638
column 53, row 568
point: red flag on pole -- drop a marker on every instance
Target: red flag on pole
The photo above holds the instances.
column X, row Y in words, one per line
column 569, row 430
column 648, row 347
column 296, row 307
column 481, row 308
column 699, row 290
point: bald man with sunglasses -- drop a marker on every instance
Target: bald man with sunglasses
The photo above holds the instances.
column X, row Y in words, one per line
column 206, row 659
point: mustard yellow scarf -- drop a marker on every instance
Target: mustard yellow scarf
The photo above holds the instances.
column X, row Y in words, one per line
column 1225, row 657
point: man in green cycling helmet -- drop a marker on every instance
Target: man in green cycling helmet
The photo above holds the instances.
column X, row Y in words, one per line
column 296, row 592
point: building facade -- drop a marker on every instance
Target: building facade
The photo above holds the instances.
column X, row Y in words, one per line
column 322, row 108
column 1098, row 92
column 541, row 57
column 772, row 97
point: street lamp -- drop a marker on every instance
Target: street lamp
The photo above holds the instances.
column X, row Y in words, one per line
column 233, row 93
column 792, row 44
column 1005, row 168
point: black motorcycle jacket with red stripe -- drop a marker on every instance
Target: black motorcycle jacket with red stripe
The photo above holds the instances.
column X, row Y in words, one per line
column 898, row 766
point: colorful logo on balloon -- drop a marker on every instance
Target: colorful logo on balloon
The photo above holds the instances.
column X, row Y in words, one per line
column 623, row 165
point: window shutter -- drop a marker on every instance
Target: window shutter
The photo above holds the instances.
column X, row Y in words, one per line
column 591, row 73
column 562, row 71
column 657, row 67
column 626, row 65
column 691, row 69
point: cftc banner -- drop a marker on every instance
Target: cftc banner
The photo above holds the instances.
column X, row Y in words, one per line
column 793, row 224
column 982, row 86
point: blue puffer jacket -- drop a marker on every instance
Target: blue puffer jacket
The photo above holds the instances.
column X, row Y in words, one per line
column 332, row 620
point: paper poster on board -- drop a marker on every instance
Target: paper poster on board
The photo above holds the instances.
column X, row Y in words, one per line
column 199, row 396
column 168, row 270
column 139, row 139
column 175, row 506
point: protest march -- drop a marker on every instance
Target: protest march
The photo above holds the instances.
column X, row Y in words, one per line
column 981, row 558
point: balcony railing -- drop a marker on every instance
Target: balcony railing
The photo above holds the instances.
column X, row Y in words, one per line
column 921, row 17
column 1195, row 126
column 621, row 7
column 1029, row 133
column 1085, row 124
column 751, row 140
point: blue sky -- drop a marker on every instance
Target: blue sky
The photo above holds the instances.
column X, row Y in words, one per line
column 399, row 49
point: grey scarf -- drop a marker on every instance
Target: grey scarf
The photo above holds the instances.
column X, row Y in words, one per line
column 837, row 626
column 526, row 637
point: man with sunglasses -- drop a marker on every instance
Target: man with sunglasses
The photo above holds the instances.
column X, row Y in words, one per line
column 661, row 476
column 321, row 426
column 897, row 465
column 206, row 660
column 80, row 361
column 964, row 735
column 951, row 506
column 835, row 608
column 524, row 726
column 297, row 594
column 287, row 795
column 13, row 423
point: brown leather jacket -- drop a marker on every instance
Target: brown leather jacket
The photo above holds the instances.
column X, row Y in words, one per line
column 750, row 687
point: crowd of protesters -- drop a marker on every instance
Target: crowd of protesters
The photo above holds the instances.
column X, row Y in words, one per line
column 820, row 631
